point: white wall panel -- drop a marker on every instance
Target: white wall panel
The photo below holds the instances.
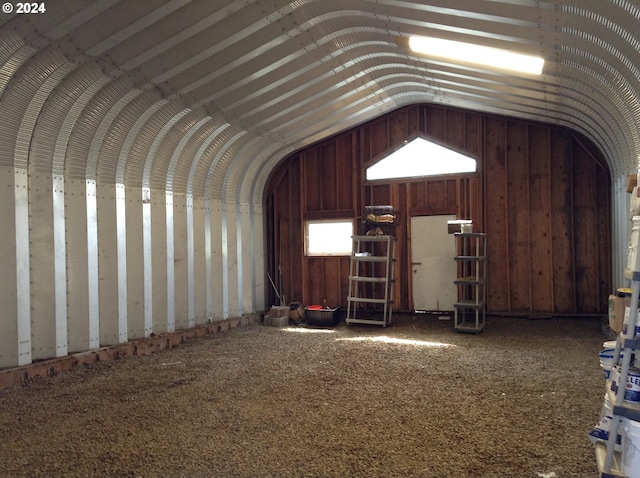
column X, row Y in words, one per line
column 137, row 327
column 60, row 265
column 121, row 244
column 258, row 247
column 246, row 254
column 108, row 263
column 147, row 264
column 217, row 278
column 201, row 262
column 93, row 272
column 158, row 229
column 189, row 258
column 42, row 268
column 181, row 268
column 232, row 259
column 79, row 334
column 170, row 263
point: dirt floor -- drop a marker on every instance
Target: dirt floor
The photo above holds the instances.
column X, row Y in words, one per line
column 415, row 399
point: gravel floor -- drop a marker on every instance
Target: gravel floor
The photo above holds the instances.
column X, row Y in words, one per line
column 411, row 400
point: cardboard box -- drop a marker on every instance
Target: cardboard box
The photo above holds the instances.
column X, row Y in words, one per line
column 296, row 311
column 617, row 307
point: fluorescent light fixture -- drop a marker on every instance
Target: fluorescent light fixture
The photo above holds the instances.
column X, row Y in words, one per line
column 476, row 54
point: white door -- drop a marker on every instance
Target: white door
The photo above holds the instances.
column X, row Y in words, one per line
column 432, row 263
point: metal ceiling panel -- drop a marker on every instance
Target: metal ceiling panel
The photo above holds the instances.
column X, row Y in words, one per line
column 295, row 71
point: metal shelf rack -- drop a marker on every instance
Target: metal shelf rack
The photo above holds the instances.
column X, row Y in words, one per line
column 470, row 309
column 371, row 279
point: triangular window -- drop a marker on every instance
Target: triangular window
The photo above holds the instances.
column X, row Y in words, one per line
column 420, row 157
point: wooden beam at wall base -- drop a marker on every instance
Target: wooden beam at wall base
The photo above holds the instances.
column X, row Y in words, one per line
column 18, row 376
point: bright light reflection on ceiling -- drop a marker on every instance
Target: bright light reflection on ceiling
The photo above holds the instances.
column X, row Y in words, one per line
column 308, row 331
column 395, row 340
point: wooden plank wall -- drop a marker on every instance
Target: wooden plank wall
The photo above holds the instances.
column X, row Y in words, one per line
column 542, row 194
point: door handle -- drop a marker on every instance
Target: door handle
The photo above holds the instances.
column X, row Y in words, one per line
column 416, row 263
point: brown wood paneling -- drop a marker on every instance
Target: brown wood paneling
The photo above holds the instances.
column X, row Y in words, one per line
column 496, row 207
column 378, row 140
column 326, row 180
column 455, row 132
column 541, row 193
column 313, row 166
column 585, row 234
column 473, row 138
column 413, row 119
column 518, row 217
column 435, row 123
column 398, row 130
column 344, row 176
column 540, row 219
column 561, row 223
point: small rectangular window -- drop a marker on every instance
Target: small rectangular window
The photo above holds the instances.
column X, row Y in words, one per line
column 329, row 237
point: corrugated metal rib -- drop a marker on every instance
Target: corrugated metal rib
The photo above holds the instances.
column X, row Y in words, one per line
column 208, row 158
column 13, row 55
column 134, row 164
column 182, row 133
column 111, row 167
column 81, row 161
column 58, row 116
column 163, row 146
column 236, row 175
column 218, row 168
column 92, row 129
column 195, row 151
column 24, row 97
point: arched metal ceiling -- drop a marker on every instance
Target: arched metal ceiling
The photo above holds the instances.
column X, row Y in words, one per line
column 206, row 97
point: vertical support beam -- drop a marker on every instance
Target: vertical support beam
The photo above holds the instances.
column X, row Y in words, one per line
column 121, row 246
column 208, row 247
column 108, row 263
column 136, row 312
column 147, row 261
column 217, row 305
column 191, row 283
column 170, row 264
column 60, row 265
column 246, row 282
column 230, row 254
column 159, row 261
column 23, row 267
column 239, row 265
column 93, row 276
column 256, row 245
column 201, row 262
column 182, row 272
